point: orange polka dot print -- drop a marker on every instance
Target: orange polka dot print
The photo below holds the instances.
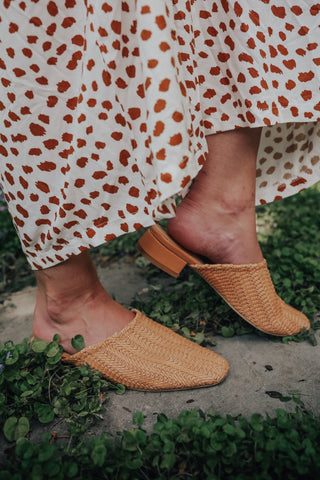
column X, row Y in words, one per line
column 105, row 108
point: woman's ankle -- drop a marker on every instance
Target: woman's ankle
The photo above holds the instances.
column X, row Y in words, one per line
column 68, row 279
column 217, row 217
column 71, row 301
column 95, row 317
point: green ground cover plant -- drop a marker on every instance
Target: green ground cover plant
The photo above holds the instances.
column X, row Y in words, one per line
column 209, row 447
column 35, row 386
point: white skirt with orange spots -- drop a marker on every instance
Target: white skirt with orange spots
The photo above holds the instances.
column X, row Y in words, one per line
column 105, row 106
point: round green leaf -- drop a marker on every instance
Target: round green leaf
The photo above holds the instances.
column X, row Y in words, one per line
column 9, row 428
column 24, row 449
column 44, row 412
column 21, row 348
column 168, row 461
column 98, row 455
column 12, row 357
column 230, row 429
column 46, row 452
column 120, row 389
column 22, row 428
column 38, row 345
column 227, row 332
column 72, row 470
column 14, row 429
column 199, row 338
column 257, row 422
column 56, row 358
column 77, row 342
column 186, row 332
column 52, row 350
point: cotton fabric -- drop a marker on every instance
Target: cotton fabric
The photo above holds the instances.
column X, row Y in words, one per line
column 105, row 106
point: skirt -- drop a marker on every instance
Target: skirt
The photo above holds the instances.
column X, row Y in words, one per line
column 105, row 107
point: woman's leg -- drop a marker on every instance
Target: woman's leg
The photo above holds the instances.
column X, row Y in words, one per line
column 71, row 300
column 217, row 217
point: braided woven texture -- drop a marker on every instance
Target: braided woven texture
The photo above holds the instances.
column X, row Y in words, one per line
column 249, row 290
column 148, row 356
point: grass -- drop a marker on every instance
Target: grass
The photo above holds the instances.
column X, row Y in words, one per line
column 36, row 387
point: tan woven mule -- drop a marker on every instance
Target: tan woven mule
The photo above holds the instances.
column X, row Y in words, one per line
column 148, row 356
column 248, row 289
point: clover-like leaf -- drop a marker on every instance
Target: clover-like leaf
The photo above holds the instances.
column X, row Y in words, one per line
column 12, row 357
column 72, row 470
column 227, row 332
column 77, row 342
column 168, row 461
column 53, row 349
column 199, row 338
column 24, row 448
column 257, row 422
column 14, row 428
column 120, row 389
column 56, row 358
column 44, row 412
column 38, row 345
column 98, row 455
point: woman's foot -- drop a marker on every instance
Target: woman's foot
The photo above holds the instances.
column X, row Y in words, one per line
column 71, row 301
column 144, row 356
column 217, row 217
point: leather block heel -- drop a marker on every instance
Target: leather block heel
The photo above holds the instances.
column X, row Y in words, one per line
column 159, row 255
column 156, row 245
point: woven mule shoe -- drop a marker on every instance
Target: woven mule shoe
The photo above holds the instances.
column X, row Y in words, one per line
column 248, row 289
column 148, row 356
